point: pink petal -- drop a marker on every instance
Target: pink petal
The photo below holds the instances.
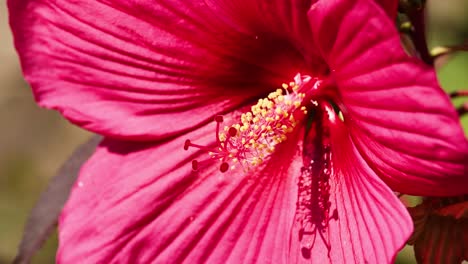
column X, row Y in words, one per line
column 141, row 203
column 144, row 204
column 285, row 19
column 370, row 223
column 146, row 70
column 402, row 122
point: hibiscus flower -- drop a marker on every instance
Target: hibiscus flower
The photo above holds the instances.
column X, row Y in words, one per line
column 360, row 119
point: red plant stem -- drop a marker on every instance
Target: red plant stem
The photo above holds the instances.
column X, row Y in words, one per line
column 459, row 93
column 463, row 109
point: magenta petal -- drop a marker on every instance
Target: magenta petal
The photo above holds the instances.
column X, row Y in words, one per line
column 283, row 19
column 372, row 219
column 144, row 204
column 367, row 222
column 400, row 119
column 143, row 69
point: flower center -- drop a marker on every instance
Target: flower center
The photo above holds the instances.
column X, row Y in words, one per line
column 251, row 141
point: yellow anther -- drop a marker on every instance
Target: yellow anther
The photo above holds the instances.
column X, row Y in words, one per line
column 341, row 116
column 269, row 121
column 256, row 161
column 222, row 136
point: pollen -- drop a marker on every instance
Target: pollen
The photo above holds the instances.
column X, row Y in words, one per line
column 251, row 141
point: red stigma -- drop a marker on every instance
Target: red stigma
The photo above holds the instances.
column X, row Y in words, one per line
column 232, row 131
column 219, row 119
column 187, row 144
column 224, row 167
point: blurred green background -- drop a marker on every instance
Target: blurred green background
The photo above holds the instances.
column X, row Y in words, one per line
column 34, row 142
